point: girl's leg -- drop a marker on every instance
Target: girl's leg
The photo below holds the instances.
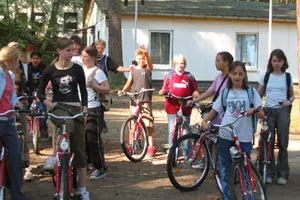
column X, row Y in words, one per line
column 283, row 125
column 271, row 120
column 12, row 143
column 224, row 162
column 171, row 124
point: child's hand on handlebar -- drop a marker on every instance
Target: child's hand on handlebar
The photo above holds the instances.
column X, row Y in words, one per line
column 19, row 105
column 161, row 92
column 120, row 92
column 204, row 125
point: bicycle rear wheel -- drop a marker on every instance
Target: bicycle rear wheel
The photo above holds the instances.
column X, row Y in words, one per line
column 263, row 160
column 239, row 181
column 134, row 139
column 191, row 167
column 64, row 180
column 35, row 135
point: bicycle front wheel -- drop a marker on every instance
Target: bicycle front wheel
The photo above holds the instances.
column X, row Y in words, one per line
column 240, row 184
column 213, row 147
column 35, row 135
column 64, row 179
column 263, row 159
column 191, row 166
column 134, row 139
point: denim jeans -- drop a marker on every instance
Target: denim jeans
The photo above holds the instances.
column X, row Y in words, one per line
column 279, row 118
column 225, row 161
column 171, row 126
column 11, row 141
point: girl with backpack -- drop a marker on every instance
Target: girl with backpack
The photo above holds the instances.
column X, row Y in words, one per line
column 237, row 100
column 180, row 83
column 277, row 86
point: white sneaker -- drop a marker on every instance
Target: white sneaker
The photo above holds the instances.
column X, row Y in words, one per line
column 281, row 181
column 50, row 163
column 28, row 176
column 85, row 195
column 198, row 165
column 97, row 174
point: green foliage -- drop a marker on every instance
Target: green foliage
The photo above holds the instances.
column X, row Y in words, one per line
column 17, row 25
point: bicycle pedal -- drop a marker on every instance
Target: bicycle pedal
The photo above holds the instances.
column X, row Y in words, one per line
column 25, row 164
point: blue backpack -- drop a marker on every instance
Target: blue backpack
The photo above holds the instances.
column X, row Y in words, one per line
column 250, row 92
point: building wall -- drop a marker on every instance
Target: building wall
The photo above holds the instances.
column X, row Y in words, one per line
column 201, row 39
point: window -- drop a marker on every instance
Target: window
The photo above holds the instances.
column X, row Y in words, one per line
column 70, row 21
column 160, row 49
column 246, row 49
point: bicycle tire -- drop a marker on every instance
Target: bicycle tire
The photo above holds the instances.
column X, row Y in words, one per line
column 136, row 151
column 64, row 177
column 175, row 138
column 263, row 161
column 35, row 135
column 213, row 147
column 190, row 178
column 238, row 170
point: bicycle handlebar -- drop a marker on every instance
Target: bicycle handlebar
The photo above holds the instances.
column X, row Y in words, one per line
column 14, row 111
column 137, row 93
column 169, row 95
column 45, row 114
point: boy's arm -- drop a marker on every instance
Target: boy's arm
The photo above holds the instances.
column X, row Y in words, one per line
column 149, row 62
column 127, row 84
column 165, row 86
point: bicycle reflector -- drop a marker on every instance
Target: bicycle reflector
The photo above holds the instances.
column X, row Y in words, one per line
column 64, row 145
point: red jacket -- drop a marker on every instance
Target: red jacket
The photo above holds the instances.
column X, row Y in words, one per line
column 180, row 85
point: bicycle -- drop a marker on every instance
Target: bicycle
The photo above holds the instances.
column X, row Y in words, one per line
column 244, row 179
column 192, row 148
column 4, row 176
column 134, row 133
column 263, row 159
column 65, row 175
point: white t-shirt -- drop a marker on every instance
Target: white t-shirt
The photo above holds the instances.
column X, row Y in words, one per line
column 99, row 77
column 276, row 89
column 77, row 60
column 237, row 101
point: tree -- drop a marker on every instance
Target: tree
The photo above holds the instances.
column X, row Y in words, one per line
column 115, row 39
column 298, row 37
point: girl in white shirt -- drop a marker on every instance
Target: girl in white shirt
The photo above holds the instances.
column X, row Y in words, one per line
column 96, row 83
column 237, row 100
column 279, row 97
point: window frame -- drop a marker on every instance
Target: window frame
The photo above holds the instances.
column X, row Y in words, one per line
column 70, row 14
column 252, row 67
column 162, row 67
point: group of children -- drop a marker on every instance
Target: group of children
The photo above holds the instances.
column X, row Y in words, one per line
column 65, row 77
column 233, row 76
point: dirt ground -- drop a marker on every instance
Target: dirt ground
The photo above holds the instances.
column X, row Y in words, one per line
column 147, row 180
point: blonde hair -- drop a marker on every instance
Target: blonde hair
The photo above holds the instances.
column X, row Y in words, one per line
column 100, row 42
column 139, row 52
column 8, row 54
column 179, row 56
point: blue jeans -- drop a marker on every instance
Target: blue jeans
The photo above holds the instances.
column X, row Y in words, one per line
column 225, row 161
column 171, row 126
column 8, row 133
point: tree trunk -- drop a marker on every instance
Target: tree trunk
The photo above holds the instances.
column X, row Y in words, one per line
column 298, row 39
column 115, row 40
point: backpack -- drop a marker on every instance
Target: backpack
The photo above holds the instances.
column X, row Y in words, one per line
column 250, row 93
column 102, row 64
column 288, row 82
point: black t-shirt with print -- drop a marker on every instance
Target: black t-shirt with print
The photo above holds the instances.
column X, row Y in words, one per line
column 64, row 84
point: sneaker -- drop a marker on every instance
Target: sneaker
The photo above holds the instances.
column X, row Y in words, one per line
column 151, row 151
column 198, row 165
column 28, row 176
column 85, row 195
column 269, row 180
column 50, row 163
column 97, row 174
column 281, row 181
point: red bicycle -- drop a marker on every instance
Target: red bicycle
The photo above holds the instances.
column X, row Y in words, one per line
column 65, row 175
column 244, row 179
column 134, row 134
